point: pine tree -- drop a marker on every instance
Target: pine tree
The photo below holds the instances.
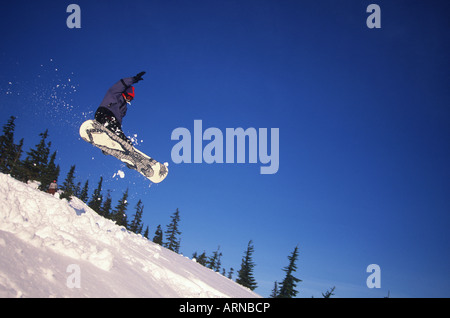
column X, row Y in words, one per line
column 35, row 163
column 200, row 259
column 7, row 147
column 146, row 232
column 230, row 273
column 68, row 185
column 329, row 293
column 158, row 238
column 120, row 212
column 275, row 291
column 84, row 192
column 96, row 201
column 287, row 289
column 135, row 225
column 172, row 233
column 10, row 153
column 245, row 274
column 15, row 168
column 105, row 209
column 77, row 190
column 213, row 261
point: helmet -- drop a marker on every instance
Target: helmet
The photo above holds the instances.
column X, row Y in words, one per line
column 129, row 93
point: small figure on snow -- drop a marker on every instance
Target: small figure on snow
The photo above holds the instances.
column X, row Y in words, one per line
column 115, row 104
column 52, row 188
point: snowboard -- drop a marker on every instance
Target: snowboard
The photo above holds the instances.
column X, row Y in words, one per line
column 106, row 140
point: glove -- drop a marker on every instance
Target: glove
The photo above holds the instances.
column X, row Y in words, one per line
column 138, row 77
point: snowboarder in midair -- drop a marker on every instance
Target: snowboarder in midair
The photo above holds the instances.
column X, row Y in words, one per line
column 115, row 104
column 105, row 132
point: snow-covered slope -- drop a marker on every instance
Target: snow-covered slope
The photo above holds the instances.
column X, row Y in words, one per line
column 54, row 248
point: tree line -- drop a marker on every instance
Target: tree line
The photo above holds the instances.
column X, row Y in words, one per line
column 39, row 165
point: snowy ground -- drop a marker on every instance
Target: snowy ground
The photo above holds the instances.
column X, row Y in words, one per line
column 52, row 248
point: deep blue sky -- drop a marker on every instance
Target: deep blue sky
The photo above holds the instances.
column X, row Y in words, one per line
column 363, row 116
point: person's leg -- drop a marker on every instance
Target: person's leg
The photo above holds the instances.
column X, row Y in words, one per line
column 103, row 116
column 107, row 119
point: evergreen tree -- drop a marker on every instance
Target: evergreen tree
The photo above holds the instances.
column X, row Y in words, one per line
column 287, row 289
column 275, row 291
column 10, row 153
column 172, row 233
column 120, row 212
column 146, row 232
column 213, row 261
column 105, row 209
column 35, row 163
column 245, row 274
column 68, row 185
column 15, row 168
column 84, row 192
column 329, row 293
column 77, row 190
column 96, row 201
column 230, row 273
column 158, row 238
column 8, row 149
column 200, row 259
column 136, row 223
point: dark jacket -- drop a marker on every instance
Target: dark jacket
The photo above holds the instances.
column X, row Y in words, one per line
column 114, row 100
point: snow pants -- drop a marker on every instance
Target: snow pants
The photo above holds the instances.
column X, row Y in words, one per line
column 105, row 117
